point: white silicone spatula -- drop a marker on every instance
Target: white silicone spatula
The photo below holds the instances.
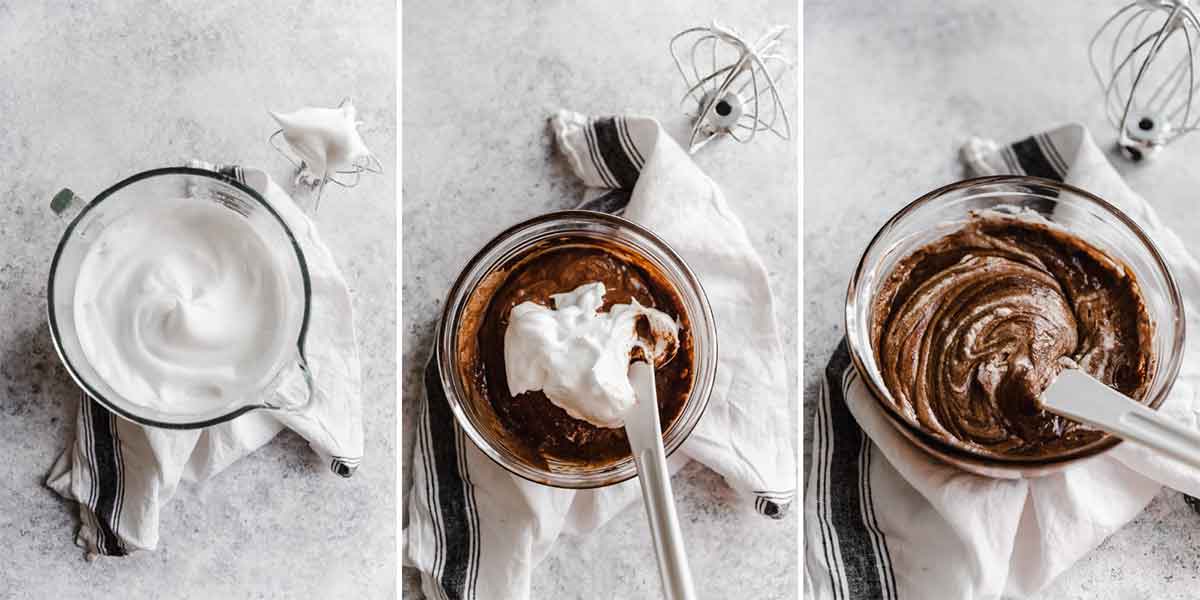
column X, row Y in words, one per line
column 645, row 439
column 1079, row 396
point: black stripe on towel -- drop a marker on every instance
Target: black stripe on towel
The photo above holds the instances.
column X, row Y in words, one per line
column 859, row 561
column 589, row 135
column 106, row 478
column 85, row 430
column 785, row 495
column 1010, row 161
column 771, row 508
column 472, row 515
column 773, row 504
column 608, row 141
column 119, row 455
column 343, row 466
column 634, row 153
column 430, row 489
column 1034, row 161
column 452, row 501
column 821, row 436
column 1193, row 502
column 882, row 555
column 1054, row 156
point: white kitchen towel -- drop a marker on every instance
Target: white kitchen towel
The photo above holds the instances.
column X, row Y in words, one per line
column 475, row 531
column 885, row 520
column 122, row 473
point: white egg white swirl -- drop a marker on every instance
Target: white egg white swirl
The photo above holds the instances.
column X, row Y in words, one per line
column 181, row 308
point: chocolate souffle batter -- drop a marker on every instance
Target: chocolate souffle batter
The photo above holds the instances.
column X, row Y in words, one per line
column 970, row 329
column 545, row 428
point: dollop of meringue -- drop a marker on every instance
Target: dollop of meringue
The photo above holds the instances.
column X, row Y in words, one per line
column 181, row 308
column 579, row 357
column 326, row 139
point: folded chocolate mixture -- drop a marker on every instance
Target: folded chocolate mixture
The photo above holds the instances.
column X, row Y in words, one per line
column 545, row 428
column 971, row 328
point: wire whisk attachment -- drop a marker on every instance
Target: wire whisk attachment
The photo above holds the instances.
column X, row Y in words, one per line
column 325, row 147
column 732, row 83
column 1144, row 58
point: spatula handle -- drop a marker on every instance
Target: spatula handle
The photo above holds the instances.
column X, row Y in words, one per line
column 1161, row 433
column 1079, row 396
column 655, row 479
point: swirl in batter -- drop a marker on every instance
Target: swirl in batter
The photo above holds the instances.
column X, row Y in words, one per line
column 181, row 308
column 970, row 329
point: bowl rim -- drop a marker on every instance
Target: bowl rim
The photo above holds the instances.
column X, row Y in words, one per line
column 55, row 334
column 447, row 379
column 1025, row 465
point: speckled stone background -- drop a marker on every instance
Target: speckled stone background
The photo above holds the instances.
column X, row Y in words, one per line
column 892, row 89
column 479, row 85
column 90, row 94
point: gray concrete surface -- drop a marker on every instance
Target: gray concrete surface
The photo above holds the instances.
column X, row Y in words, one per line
column 891, row 91
column 90, row 94
column 478, row 87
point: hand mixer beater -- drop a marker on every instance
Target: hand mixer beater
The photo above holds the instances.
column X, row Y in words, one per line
column 731, row 83
column 324, row 146
column 1144, row 58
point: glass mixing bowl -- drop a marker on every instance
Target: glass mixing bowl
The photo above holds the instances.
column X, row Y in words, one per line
column 1084, row 214
column 139, row 192
column 478, row 281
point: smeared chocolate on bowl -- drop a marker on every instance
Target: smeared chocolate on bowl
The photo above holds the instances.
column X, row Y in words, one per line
column 969, row 329
column 542, row 429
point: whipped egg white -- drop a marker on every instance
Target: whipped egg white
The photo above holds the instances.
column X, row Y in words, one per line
column 181, row 308
column 578, row 356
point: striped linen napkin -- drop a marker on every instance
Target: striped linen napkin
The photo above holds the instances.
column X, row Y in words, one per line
column 884, row 520
column 476, row 531
column 122, row 473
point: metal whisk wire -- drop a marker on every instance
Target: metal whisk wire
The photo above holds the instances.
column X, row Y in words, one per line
column 346, row 178
column 734, row 66
column 1154, row 107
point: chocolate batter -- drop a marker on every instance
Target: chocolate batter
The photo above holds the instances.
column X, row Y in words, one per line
column 970, row 329
column 546, row 429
